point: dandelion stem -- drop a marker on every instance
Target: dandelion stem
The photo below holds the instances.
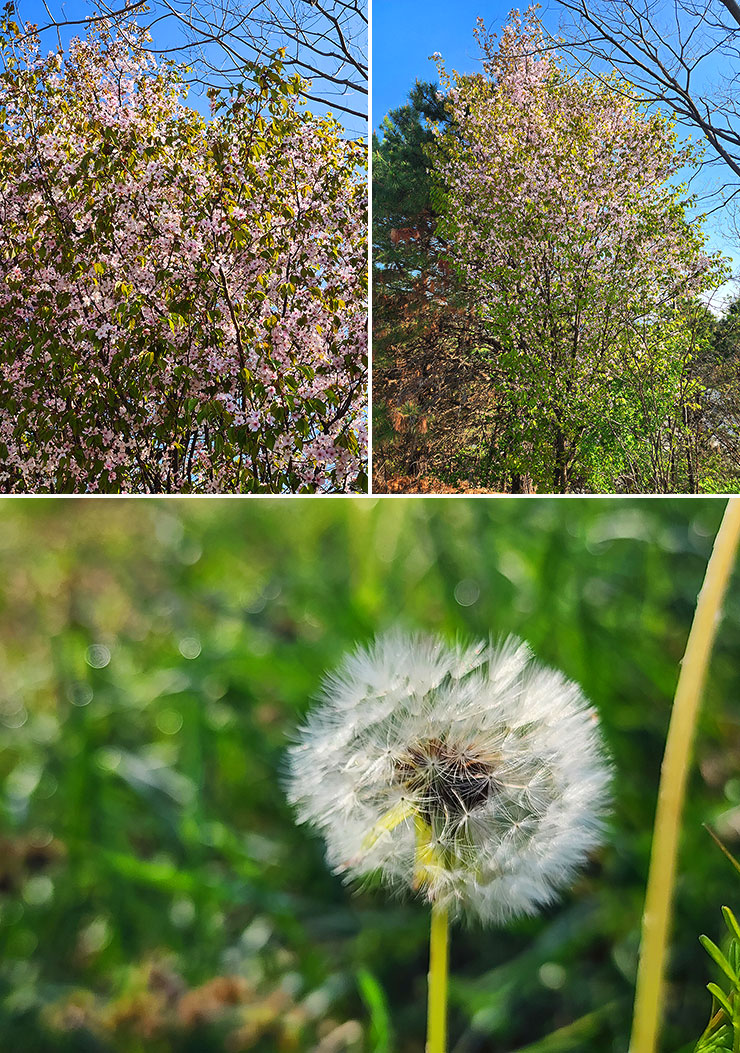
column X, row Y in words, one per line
column 662, row 872
column 437, row 1012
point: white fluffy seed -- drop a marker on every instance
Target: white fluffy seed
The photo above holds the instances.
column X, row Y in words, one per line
column 472, row 775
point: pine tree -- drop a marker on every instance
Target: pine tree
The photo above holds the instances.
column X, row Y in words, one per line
column 422, row 371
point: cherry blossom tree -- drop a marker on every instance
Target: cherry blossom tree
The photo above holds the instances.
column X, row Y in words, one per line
column 182, row 301
column 562, row 214
column 324, row 40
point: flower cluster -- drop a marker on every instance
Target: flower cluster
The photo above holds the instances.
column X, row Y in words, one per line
column 182, row 301
column 470, row 774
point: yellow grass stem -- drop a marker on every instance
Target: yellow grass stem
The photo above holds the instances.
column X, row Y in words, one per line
column 662, row 872
column 437, row 1011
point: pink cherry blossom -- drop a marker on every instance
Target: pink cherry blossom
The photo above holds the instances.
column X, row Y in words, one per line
column 182, row 301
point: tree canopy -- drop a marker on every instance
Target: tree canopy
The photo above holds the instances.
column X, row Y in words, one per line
column 561, row 215
column 324, row 41
column 181, row 300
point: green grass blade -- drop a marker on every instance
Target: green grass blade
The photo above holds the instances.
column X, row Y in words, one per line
column 722, row 848
column 380, row 1022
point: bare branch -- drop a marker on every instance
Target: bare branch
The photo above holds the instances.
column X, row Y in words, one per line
column 681, row 54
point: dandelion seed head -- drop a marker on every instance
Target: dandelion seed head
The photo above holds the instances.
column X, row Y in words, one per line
column 473, row 775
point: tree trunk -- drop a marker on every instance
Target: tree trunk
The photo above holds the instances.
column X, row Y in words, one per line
column 561, row 463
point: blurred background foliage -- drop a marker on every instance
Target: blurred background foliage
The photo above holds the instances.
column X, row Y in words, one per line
column 155, row 893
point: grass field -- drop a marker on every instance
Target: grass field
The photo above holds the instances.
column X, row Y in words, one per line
column 155, row 893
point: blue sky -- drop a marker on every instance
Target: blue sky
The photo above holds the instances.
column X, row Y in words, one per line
column 406, row 33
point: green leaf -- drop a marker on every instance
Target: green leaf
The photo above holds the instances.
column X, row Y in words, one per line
column 731, row 922
column 716, row 991
column 733, row 957
column 715, row 953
